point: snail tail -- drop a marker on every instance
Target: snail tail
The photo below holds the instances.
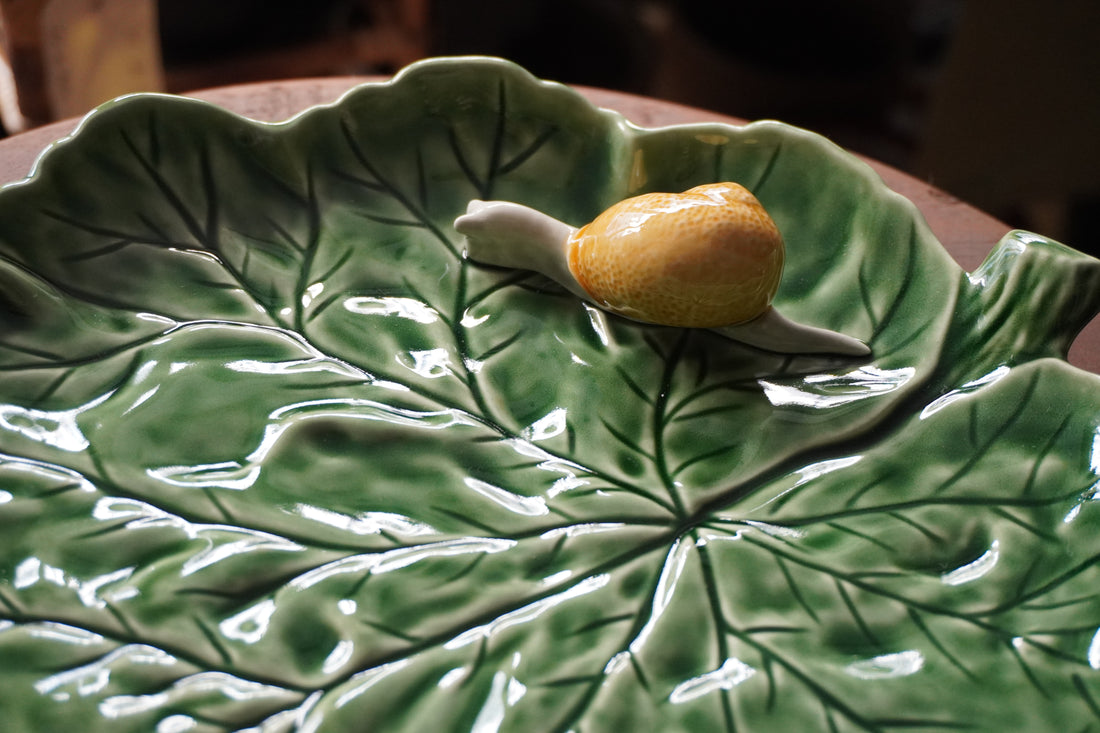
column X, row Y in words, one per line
column 775, row 332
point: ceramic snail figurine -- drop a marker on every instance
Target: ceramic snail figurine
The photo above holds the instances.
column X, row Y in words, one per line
column 710, row 257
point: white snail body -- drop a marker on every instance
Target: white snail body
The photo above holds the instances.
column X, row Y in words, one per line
column 710, row 257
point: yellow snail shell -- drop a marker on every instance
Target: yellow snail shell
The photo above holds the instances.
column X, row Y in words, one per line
column 710, row 257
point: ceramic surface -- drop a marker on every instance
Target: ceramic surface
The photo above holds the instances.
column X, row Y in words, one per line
column 273, row 456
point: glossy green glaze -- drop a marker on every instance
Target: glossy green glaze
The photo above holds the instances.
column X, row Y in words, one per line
column 274, row 457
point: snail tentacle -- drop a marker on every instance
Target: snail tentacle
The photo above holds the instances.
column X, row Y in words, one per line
column 508, row 234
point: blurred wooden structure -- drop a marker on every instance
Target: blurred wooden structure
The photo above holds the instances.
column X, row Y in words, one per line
column 62, row 58
column 1021, row 77
column 391, row 34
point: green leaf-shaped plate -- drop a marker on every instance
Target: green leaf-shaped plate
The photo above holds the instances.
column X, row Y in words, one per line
column 273, row 456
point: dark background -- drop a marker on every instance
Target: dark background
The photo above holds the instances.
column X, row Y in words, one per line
column 995, row 101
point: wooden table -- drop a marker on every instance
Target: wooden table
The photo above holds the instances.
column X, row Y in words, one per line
column 967, row 233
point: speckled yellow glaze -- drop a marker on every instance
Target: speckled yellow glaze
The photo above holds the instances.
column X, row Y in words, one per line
column 711, row 256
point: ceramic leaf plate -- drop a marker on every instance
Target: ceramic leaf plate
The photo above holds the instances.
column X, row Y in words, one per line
column 273, row 456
